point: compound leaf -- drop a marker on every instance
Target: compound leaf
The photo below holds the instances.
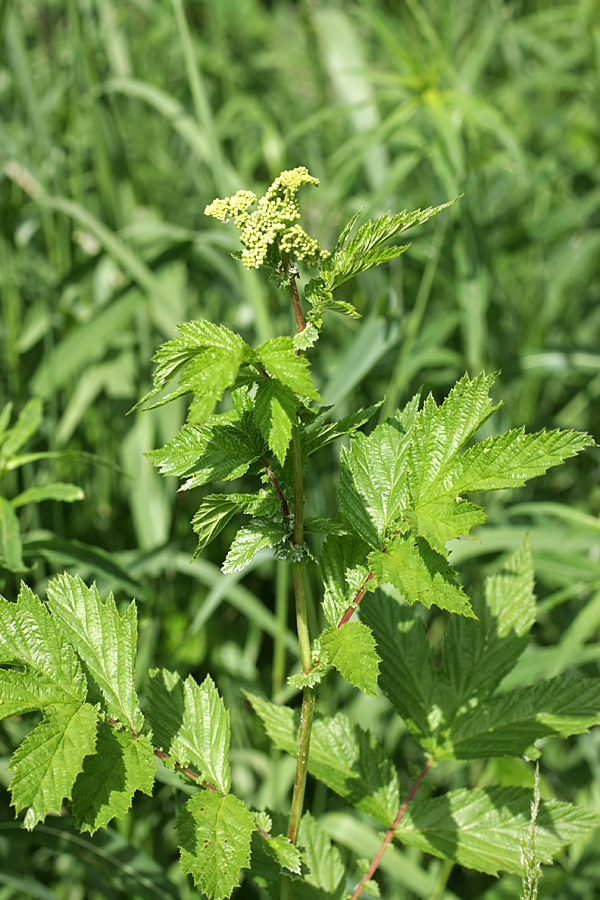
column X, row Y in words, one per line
column 351, row 650
column 482, row 828
column 105, row 640
column 189, row 722
column 121, row 765
column 50, row 758
column 214, row 833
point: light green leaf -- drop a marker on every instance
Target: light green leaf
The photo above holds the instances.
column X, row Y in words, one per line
column 408, row 673
column 327, row 871
column 23, row 692
column 49, row 760
column 27, row 424
column 366, row 249
column 279, row 358
column 215, row 512
column 190, row 723
column 319, row 436
column 66, row 493
column 286, row 855
column 214, row 835
column 275, row 412
column 443, row 519
column 510, row 724
column 339, row 554
column 343, row 756
column 31, row 637
column 420, row 574
column 105, row 640
column 11, row 547
column 351, row 650
column 121, row 765
column 509, row 460
column 249, row 540
column 482, row 829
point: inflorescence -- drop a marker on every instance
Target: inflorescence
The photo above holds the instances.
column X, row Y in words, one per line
column 271, row 221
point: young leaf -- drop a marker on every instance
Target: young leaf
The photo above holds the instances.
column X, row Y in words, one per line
column 190, row 723
column 215, row 512
column 287, row 855
column 482, row 829
column 343, row 756
column 121, row 765
column 214, row 833
column 105, row 640
column 50, row 758
column 420, row 574
column 278, row 357
column 275, row 412
column 249, row 540
column 209, row 356
column 351, row 650
column 366, row 249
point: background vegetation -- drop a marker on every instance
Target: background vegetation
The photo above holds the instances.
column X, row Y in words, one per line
column 120, row 122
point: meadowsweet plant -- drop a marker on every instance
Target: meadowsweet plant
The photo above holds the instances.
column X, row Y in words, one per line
column 403, row 495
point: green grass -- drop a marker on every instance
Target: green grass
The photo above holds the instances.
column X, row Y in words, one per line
column 120, row 122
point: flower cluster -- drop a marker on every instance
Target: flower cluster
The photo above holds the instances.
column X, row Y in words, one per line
column 271, row 221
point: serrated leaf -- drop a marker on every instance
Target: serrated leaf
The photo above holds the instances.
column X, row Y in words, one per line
column 339, row 554
column 31, row 637
column 65, row 493
column 351, row 650
column 310, row 679
column 327, row 871
column 215, row 512
column 27, row 424
column 190, row 722
column 23, row 692
column 286, row 854
column 510, row 724
column 249, row 540
column 279, row 358
column 209, row 357
column 482, row 828
column 419, row 573
column 220, row 451
column 275, row 413
column 321, row 435
column 49, row 760
column 105, row 640
column 408, row 673
column 343, row 756
column 11, row 547
column 121, row 765
column 214, row 835
column 306, row 338
column 366, row 249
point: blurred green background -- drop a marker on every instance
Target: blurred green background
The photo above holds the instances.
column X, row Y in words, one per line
column 120, row 122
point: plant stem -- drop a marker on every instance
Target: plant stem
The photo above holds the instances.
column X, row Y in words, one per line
column 391, row 831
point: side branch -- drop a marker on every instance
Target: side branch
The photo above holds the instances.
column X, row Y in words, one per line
column 391, row 831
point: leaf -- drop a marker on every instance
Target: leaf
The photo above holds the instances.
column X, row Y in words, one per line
column 105, row 640
column 66, row 493
column 11, row 547
column 249, row 540
column 321, row 435
column 327, row 871
column 420, row 574
column 190, row 723
column 351, row 650
column 275, row 412
column 365, row 249
column 341, row 553
column 408, row 673
column 209, row 356
column 286, row 854
column 278, row 356
column 510, row 724
column 482, row 828
column 31, row 637
column 104, row 789
column 49, row 760
column 343, row 756
column 27, row 424
column 215, row 512
column 214, row 835
column 220, row 451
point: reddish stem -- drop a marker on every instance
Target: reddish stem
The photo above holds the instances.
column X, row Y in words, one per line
column 391, row 831
column 361, row 593
column 284, row 504
column 292, row 274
